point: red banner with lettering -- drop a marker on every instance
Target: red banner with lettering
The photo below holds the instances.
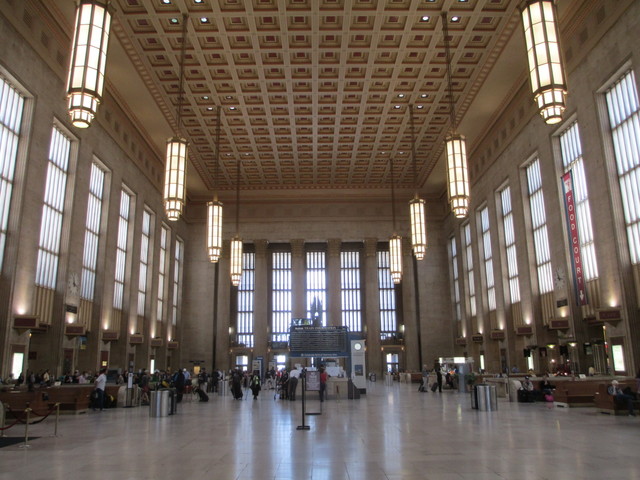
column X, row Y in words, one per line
column 574, row 240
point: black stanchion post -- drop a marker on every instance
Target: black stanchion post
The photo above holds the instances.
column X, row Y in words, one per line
column 304, row 388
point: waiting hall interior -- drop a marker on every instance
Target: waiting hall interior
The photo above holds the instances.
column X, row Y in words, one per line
column 384, row 192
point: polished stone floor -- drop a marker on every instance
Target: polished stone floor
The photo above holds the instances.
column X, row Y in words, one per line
column 393, row 432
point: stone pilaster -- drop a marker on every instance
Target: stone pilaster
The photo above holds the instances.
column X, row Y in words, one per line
column 298, row 286
column 261, row 326
column 334, row 307
column 223, row 360
column 371, row 314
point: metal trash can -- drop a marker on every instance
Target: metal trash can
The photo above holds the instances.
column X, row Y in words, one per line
column 173, row 401
column 388, row 379
column 159, row 403
column 222, row 387
column 353, row 393
column 487, row 397
column 474, row 397
column 372, row 377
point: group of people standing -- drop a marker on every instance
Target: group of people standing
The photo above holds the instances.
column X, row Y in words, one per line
column 284, row 381
column 287, row 382
column 240, row 379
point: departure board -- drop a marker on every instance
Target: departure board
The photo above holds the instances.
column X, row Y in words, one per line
column 310, row 341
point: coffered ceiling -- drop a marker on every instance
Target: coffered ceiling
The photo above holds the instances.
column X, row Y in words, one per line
column 314, row 94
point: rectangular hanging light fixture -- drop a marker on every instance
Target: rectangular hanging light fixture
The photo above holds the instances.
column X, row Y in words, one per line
column 214, row 230
column 418, row 231
column 457, row 174
column 545, row 62
column 416, row 206
column 455, row 145
column 236, row 261
column 214, row 208
column 176, row 160
column 395, row 258
column 88, row 60
column 174, row 180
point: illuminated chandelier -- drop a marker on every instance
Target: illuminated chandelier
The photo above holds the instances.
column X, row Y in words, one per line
column 546, row 72
column 88, row 58
column 457, row 172
column 214, row 209
column 416, row 205
column 176, row 160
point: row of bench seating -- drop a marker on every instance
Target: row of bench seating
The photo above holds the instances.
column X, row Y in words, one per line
column 591, row 393
column 72, row 398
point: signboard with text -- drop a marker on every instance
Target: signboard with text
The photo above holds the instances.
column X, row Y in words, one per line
column 310, row 341
column 574, row 239
column 313, row 381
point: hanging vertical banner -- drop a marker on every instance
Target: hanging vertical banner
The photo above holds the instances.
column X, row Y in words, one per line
column 574, row 240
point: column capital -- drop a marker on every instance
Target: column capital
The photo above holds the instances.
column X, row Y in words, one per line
column 261, row 246
column 334, row 246
column 370, row 246
column 297, row 247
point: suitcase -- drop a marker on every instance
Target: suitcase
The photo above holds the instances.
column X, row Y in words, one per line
column 434, row 387
column 202, row 395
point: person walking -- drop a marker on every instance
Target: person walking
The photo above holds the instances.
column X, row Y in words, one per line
column 324, row 376
column 284, row 385
column 438, row 370
column 178, row 383
column 255, row 385
column 236, row 384
column 101, row 384
column 293, row 383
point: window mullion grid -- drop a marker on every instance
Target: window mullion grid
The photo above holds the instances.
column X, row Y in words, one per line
column 538, row 220
column 350, row 285
column 52, row 211
column 622, row 104
column 11, row 107
column 164, row 240
column 246, row 292
column 388, row 321
column 281, row 295
column 121, row 250
column 92, row 232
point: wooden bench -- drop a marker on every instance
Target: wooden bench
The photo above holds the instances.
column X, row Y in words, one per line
column 16, row 401
column 72, row 399
column 606, row 403
column 578, row 393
